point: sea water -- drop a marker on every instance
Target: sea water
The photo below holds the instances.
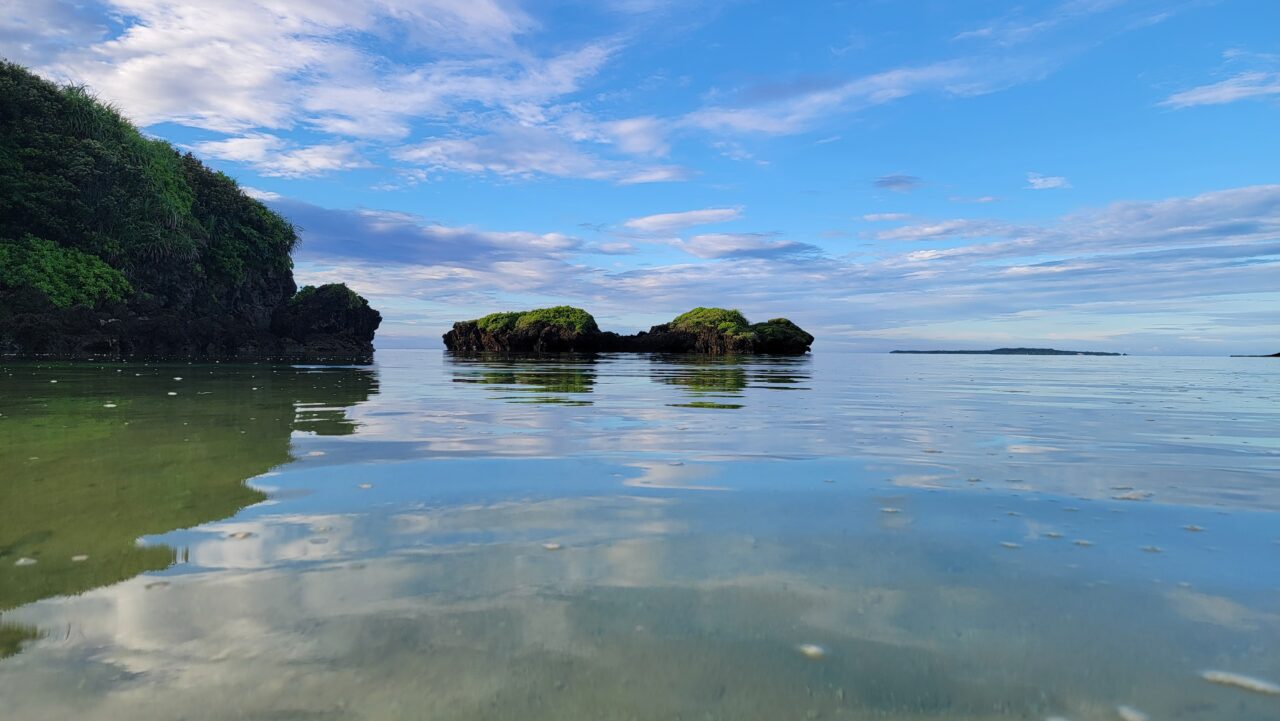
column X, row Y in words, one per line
column 838, row 536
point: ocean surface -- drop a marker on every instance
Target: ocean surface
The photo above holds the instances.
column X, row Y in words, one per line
column 631, row 537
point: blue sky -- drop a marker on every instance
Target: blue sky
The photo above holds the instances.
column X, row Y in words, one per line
column 1092, row 174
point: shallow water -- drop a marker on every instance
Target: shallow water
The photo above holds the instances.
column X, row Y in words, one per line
column 634, row 537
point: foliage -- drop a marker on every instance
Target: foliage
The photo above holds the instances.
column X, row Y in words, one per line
column 730, row 322
column 66, row 276
column 335, row 295
column 495, row 322
column 562, row 316
column 780, row 330
column 76, row 175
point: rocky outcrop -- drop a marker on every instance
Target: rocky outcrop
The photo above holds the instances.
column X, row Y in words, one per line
column 711, row 331
column 330, row 321
column 113, row 244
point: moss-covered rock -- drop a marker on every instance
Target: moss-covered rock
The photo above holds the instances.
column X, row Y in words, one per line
column 713, row 331
column 561, row 329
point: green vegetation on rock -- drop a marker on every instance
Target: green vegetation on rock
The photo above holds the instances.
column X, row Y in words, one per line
column 561, row 316
column 66, row 276
column 730, row 322
column 169, row 257
column 565, row 329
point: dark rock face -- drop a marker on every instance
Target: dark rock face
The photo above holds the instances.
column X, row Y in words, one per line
column 328, row 321
column 468, row 337
column 778, row 336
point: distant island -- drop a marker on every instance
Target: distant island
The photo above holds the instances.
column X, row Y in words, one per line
column 565, row 329
column 1006, row 351
column 1273, row 355
column 113, row 244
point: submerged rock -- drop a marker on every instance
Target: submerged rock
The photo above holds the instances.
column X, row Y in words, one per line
column 565, row 329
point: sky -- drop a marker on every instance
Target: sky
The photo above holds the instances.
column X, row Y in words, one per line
column 1081, row 174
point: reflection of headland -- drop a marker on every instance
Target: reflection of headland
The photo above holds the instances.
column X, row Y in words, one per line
column 105, row 456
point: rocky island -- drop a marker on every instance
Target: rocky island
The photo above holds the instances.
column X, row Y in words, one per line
column 565, row 329
column 116, row 245
column 1007, row 351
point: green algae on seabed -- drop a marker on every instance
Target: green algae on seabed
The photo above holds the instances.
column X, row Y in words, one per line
column 13, row 635
column 83, row 478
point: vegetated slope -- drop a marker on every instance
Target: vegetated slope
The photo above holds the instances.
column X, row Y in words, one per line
column 117, row 244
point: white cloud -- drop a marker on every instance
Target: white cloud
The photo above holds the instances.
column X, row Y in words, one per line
column 249, row 68
column 263, row 195
column 1240, row 87
column 740, row 245
column 522, row 151
column 273, row 156
column 639, row 136
column 669, row 222
column 1036, row 181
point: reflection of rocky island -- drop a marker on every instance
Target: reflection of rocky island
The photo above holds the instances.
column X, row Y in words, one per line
column 1006, row 351
column 1273, row 355
column 117, row 245
column 562, row 383
column 565, row 329
column 103, row 458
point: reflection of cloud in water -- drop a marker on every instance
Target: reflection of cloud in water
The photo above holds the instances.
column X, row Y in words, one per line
column 634, row 625
column 665, row 475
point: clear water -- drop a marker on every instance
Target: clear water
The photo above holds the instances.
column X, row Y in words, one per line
column 628, row 537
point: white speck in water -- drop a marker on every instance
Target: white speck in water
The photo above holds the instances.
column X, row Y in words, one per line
column 24, row 561
column 1010, row 544
column 316, row 453
column 1134, row 496
column 177, row 378
column 1129, row 713
column 53, row 381
column 240, row 535
column 1248, row 683
column 812, row 650
column 1052, row 534
column 108, row 405
column 365, row 486
column 888, row 509
column 552, row 546
column 173, row 393
column 81, row 558
column 1193, row 528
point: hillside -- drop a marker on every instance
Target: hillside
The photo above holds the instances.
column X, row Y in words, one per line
column 115, row 244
